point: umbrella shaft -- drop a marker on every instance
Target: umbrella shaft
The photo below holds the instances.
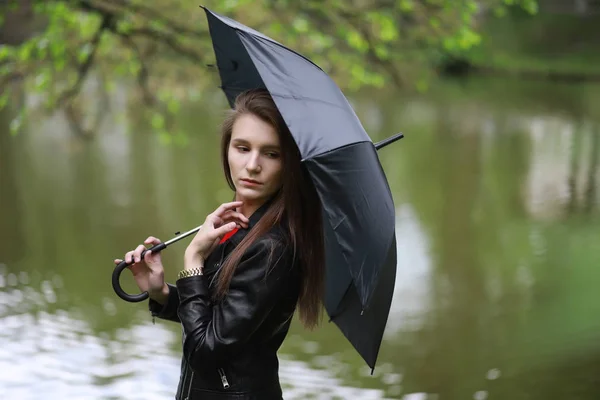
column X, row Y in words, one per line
column 181, row 236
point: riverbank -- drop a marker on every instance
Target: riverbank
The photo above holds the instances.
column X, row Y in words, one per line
column 557, row 47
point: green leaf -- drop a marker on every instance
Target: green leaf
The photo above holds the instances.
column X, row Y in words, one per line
column 4, row 99
column 173, row 106
column 134, row 68
column 5, row 52
column 422, row 85
column 110, row 86
column 277, row 28
column 406, row 5
column 356, row 41
column 158, row 121
column 84, row 52
column 16, row 123
column 388, row 28
column 472, row 6
column 41, row 81
column 358, row 72
column 125, row 26
column 378, row 81
column 382, row 52
column 531, row 6
column 60, row 64
column 300, row 25
column 165, row 138
column 157, row 25
column 181, row 139
column 500, row 11
column 24, row 52
column 57, row 48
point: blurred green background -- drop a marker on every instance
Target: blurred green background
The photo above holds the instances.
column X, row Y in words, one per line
column 108, row 133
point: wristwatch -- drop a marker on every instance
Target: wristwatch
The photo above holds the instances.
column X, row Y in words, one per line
column 186, row 273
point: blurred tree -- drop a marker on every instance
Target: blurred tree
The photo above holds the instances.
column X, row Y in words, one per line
column 165, row 44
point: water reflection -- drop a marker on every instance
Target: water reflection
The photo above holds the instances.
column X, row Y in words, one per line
column 58, row 354
column 414, row 275
column 497, row 227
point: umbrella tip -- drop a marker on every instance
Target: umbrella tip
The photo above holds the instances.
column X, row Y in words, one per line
column 389, row 140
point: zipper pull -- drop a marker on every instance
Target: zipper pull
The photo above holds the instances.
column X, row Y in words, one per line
column 223, row 379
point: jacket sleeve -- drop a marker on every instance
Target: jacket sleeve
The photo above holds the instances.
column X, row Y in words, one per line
column 167, row 311
column 215, row 331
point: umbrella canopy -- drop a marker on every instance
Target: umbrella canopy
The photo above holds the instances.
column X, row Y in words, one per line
column 358, row 209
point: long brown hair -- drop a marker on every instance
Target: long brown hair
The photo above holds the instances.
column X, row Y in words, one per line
column 296, row 204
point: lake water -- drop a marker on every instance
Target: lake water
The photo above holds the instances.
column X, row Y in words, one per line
column 497, row 219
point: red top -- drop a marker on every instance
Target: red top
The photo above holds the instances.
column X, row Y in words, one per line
column 228, row 235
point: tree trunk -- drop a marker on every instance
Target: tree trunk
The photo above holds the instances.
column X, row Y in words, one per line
column 20, row 22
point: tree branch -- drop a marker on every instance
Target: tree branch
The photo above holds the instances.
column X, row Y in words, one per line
column 156, row 15
column 355, row 19
column 167, row 39
column 9, row 78
column 84, row 68
column 386, row 65
column 143, row 73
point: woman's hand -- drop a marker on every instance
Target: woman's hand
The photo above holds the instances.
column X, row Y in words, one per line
column 148, row 273
column 223, row 220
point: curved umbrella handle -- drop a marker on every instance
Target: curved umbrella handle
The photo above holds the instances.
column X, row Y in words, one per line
column 132, row 298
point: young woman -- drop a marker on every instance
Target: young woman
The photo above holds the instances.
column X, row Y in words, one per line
column 250, row 265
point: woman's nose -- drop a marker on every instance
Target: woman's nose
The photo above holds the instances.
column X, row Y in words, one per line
column 253, row 164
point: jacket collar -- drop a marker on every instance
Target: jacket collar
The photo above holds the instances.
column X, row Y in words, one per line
column 253, row 220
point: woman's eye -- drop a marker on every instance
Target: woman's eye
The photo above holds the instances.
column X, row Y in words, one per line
column 242, row 149
column 272, row 155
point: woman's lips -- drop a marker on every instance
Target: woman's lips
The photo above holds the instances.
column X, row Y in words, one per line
column 249, row 182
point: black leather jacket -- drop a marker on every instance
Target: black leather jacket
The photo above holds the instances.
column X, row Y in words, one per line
column 230, row 347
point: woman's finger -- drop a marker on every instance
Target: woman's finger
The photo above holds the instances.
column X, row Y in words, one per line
column 118, row 261
column 147, row 254
column 219, row 232
column 227, row 206
column 212, row 221
column 129, row 257
column 137, row 253
column 232, row 214
column 152, row 240
column 238, row 223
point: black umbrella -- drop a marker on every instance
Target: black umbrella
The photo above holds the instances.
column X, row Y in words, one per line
column 358, row 209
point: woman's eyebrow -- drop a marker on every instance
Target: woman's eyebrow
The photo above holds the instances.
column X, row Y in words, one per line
column 240, row 141
column 267, row 146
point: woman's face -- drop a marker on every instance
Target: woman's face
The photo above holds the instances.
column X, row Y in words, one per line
column 254, row 157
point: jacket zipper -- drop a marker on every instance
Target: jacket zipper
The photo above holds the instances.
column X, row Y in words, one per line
column 190, row 386
column 223, row 378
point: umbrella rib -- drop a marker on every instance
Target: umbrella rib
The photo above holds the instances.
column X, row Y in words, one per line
column 273, row 94
column 339, row 311
column 310, row 99
column 278, row 44
column 339, row 223
column 337, row 148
